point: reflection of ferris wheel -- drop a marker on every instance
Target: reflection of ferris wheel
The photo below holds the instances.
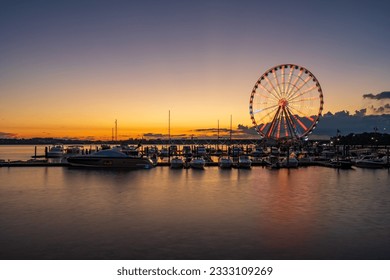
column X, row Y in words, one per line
column 286, row 102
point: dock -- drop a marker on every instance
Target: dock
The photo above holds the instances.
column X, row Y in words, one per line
column 65, row 164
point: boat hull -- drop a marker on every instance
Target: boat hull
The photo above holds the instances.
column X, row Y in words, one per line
column 106, row 162
column 370, row 164
column 197, row 164
column 177, row 163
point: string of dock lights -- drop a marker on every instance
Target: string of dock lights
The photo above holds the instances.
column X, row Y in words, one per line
column 286, row 102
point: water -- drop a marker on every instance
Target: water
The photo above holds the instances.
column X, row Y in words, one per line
column 304, row 213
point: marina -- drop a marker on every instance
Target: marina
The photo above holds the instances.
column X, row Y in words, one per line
column 200, row 156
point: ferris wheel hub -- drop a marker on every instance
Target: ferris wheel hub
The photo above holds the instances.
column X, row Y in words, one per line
column 283, row 102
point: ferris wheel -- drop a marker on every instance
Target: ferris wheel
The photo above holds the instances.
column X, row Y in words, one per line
column 286, row 102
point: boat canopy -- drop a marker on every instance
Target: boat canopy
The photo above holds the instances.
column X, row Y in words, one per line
column 108, row 153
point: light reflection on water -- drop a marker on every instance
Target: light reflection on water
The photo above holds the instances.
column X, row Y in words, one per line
column 305, row 213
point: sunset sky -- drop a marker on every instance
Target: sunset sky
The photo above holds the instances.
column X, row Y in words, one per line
column 70, row 68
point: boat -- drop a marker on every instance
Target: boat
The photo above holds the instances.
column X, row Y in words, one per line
column 187, row 151
column 244, row 162
column 177, row 163
column 151, row 151
column 370, row 161
column 225, row 162
column 258, row 152
column 73, row 150
column 112, row 158
column 130, row 150
column 201, row 151
column 236, row 151
column 55, row 151
column 172, row 150
column 164, row 152
column 340, row 163
column 289, row 162
column 197, row 163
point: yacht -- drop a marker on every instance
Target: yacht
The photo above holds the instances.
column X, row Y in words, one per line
column 201, row 151
column 225, row 162
column 112, row 158
column 55, row 151
column 289, row 162
column 258, row 152
column 187, row 151
column 370, row 161
column 198, row 163
column 164, row 152
column 73, row 150
column 244, row 162
column 177, row 163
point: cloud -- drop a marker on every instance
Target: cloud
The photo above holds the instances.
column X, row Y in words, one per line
column 379, row 96
column 154, row 135
column 356, row 123
column 7, row 135
column 361, row 112
column 385, row 109
column 247, row 130
column 212, row 130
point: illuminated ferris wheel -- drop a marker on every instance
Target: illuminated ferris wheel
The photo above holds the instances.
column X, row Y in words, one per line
column 286, row 102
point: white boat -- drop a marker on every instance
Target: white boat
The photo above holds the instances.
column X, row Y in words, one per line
column 370, row 161
column 244, row 162
column 55, row 151
column 112, row 158
column 225, row 162
column 197, row 163
column 73, row 150
column 177, row 163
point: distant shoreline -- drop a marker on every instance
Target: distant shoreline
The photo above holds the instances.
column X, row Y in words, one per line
column 372, row 139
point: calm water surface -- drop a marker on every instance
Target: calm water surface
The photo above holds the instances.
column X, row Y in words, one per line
column 304, row 213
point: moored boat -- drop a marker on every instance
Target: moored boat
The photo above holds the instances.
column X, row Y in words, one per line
column 289, row 162
column 112, row 158
column 187, row 151
column 177, row 163
column 341, row 163
column 370, row 161
column 55, row 151
column 244, row 162
column 225, row 162
column 197, row 163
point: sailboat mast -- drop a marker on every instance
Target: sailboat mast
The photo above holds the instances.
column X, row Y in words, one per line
column 169, row 125
column 116, row 130
column 218, row 131
column 231, row 118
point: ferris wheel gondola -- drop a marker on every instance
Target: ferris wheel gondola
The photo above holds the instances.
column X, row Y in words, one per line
column 286, row 102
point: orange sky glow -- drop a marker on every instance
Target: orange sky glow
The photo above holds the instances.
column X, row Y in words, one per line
column 64, row 76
